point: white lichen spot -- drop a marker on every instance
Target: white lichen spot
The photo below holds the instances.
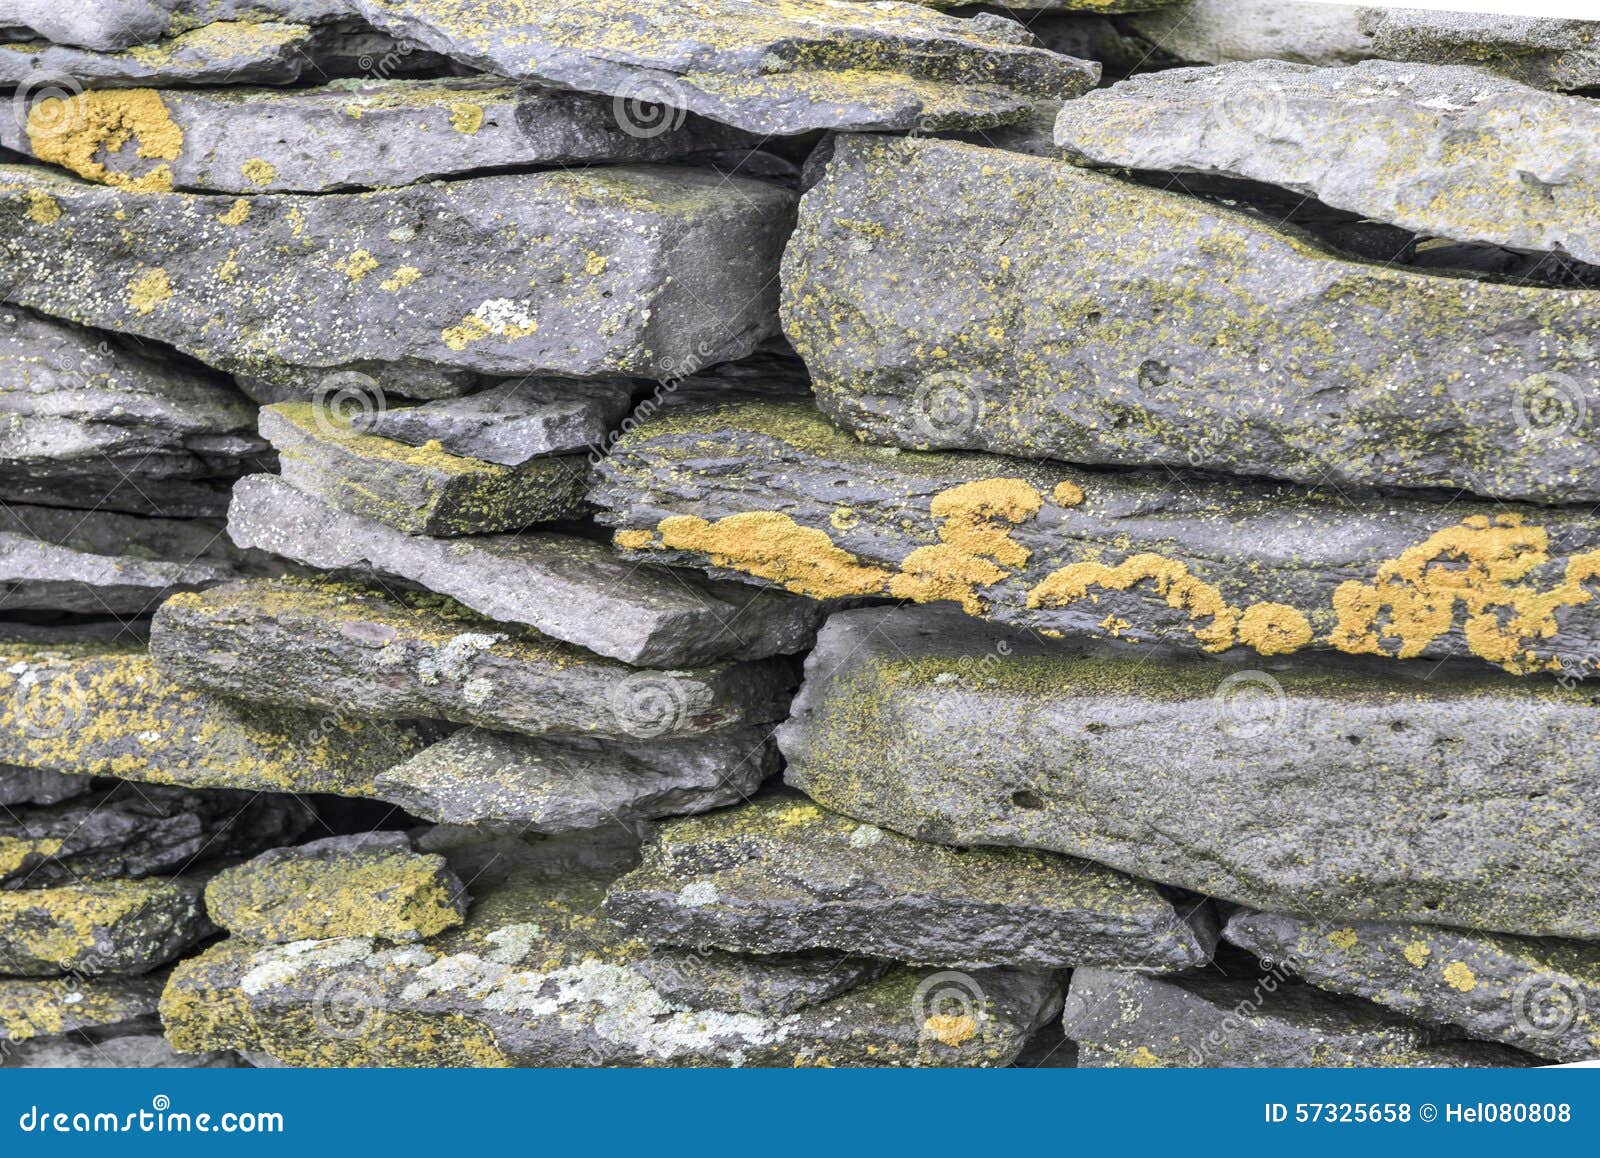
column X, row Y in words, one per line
column 698, row 893
column 865, row 836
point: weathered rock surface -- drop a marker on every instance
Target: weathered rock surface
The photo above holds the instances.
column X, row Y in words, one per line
column 781, row 875
column 767, row 66
column 141, row 1051
column 109, row 712
column 637, row 270
column 513, row 422
column 372, row 885
column 1124, row 1019
column 48, row 1007
column 1218, row 31
column 135, row 830
column 948, row 296
column 421, row 490
column 775, row 493
column 224, row 52
column 99, row 927
column 1483, row 159
column 1556, row 54
column 400, row 654
column 1542, row 996
column 773, row 984
column 87, row 419
column 36, row 786
column 569, row 588
column 110, row 25
column 1342, row 790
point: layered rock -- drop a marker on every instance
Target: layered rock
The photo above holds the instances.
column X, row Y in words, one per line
column 1218, row 31
column 145, row 1050
column 100, row 927
column 1299, row 788
column 49, row 1007
column 36, row 786
column 774, row 983
column 110, row 25
column 1556, row 54
column 226, row 51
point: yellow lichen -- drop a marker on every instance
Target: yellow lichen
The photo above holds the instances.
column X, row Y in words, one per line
column 149, row 290
column 74, row 132
column 466, row 118
column 401, row 278
column 1345, row 939
column 633, row 540
column 237, row 214
column 951, row 1029
column 1067, row 494
column 595, row 264
column 356, row 264
column 1171, row 580
column 43, row 209
column 975, row 548
column 259, row 172
column 773, row 546
column 1459, row 976
column 1274, row 628
column 1417, row 953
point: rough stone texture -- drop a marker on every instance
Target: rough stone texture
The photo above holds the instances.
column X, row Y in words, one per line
column 107, row 563
column 111, row 926
column 134, row 830
column 569, row 588
column 110, row 25
column 1542, row 996
column 365, row 133
column 35, row 786
column 767, row 66
column 775, row 493
column 1218, row 31
column 949, row 296
column 109, row 712
column 1123, row 1019
column 1556, row 54
column 419, row 490
column 401, row 654
column 781, row 875
column 225, row 52
column 536, row 978
column 1300, row 788
column 511, row 423
column 645, row 270
column 526, row 784
column 1441, row 151
column 141, row 1051
column 372, row 885
column 48, row 1007
column 88, row 419
column 774, row 984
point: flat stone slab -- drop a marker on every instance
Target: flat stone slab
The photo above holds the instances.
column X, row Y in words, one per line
column 778, row 983
column 568, row 588
column 775, row 493
column 781, row 875
column 110, row 25
column 100, row 927
column 1473, row 171
column 1556, row 54
column 1218, row 31
column 46, row 1007
column 422, row 490
column 635, row 270
column 398, row 654
column 372, row 885
column 109, row 712
column 1014, row 304
column 1345, row 790
column 500, row 781
column 224, row 52
column 1123, row 1019
column 36, row 786
column 1539, row 995
column 767, row 66
column 135, row 1051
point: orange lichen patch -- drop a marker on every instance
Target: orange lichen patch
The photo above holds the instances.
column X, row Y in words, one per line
column 1274, row 628
column 1067, row 494
column 975, row 548
column 951, row 1029
column 149, row 290
column 930, row 574
column 259, row 172
column 633, row 540
column 74, row 131
column 773, row 546
column 237, row 214
column 43, row 209
column 1171, row 579
column 1474, row 568
column 1460, row 977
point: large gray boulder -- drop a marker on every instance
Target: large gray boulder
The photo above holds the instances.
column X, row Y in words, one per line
column 641, row 270
column 1340, row 790
column 1218, row 31
column 949, row 296
column 1556, row 54
column 100, row 927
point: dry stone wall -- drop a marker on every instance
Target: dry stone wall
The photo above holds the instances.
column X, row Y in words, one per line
column 797, row 532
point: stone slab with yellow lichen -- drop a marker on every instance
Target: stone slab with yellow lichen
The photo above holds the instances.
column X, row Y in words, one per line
column 1288, row 785
column 102, row 927
column 223, row 52
column 47, row 1007
column 112, row 25
column 1538, row 994
column 1556, row 54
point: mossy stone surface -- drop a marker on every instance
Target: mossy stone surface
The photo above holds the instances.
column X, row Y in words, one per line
column 99, row 927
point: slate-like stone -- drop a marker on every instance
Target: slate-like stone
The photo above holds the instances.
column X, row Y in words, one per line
column 109, row 712
column 767, row 66
column 91, row 420
column 37, row 786
column 371, row 885
column 1472, row 168
column 1218, row 31
column 1539, row 995
column 1347, row 790
column 500, row 781
column 774, row 984
column 47, row 1007
column 1014, row 304
column 1555, row 54
column 100, row 927
column 400, row 654
column 110, row 25
column 635, row 270
column 513, row 422
column 774, row 492
column 223, row 52
column 136, row 830
column 568, row 588
column 781, row 875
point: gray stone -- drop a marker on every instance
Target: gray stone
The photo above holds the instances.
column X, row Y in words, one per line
column 571, row 589
column 129, row 1051
column 1540, row 995
column 47, row 1007
column 100, row 927
column 781, row 875
column 1484, row 159
column 500, row 781
column 1556, row 54
column 635, row 270
column 766, row 66
column 225, row 52
column 775, row 984
column 1288, row 786
column 948, row 296
column 110, row 25
column 1218, row 31
column 358, row 649
column 37, row 786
